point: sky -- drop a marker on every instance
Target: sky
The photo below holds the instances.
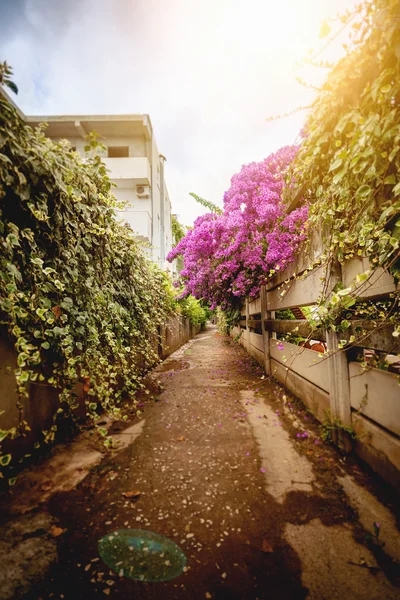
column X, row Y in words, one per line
column 208, row 72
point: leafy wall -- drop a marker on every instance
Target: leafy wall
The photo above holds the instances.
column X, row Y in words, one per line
column 77, row 296
column 348, row 163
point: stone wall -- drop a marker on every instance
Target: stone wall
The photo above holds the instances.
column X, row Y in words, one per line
column 42, row 402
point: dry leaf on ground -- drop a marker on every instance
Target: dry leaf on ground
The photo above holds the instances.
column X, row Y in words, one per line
column 132, row 494
column 56, row 531
column 266, row 546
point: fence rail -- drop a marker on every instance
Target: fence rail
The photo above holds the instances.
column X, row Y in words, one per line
column 329, row 381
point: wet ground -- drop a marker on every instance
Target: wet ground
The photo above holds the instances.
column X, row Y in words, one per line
column 230, row 467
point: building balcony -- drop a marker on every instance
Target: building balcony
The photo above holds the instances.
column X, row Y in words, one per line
column 136, row 169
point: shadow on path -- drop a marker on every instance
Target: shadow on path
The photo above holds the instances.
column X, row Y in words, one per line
column 202, row 465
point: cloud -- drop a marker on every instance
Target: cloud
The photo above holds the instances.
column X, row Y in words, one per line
column 208, row 73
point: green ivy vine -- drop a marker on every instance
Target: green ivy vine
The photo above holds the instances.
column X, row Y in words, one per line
column 78, row 298
column 348, row 165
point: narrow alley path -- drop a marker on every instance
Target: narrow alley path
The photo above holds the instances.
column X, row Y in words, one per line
column 234, row 472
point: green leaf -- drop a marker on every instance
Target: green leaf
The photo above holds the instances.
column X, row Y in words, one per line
column 67, row 303
column 386, row 213
column 339, row 176
column 364, row 190
column 324, row 30
column 12, row 86
column 41, row 312
column 362, row 277
column 14, row 271
column 21, row 359
column 207, row 203
column 37, row 261
column 348, row 301
column 360, row 166
column 12, row 239
column 336, row 164
column 344, row 292
column 390, row 179
column 22, row 178
column 5, row 460
column 396, row 190
column 3, row 434
column 59, row 285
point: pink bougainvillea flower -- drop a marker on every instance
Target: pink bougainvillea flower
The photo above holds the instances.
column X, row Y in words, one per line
column 280, row 346
column 229, row 256
column 262, row 470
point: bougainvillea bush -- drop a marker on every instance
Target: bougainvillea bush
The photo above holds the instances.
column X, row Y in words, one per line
column 227, row 256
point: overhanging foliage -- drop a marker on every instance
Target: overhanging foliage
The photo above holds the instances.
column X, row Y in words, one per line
column 79, row 299
column 348, row 164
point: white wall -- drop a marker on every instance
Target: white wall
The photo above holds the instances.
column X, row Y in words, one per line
column 142, row 214
column 156, row 186
column 168, row 230
column 137, row 212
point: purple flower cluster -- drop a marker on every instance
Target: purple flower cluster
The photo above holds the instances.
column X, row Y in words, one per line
column 229, row 256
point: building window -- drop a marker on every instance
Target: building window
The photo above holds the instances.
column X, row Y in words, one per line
column 118, row 151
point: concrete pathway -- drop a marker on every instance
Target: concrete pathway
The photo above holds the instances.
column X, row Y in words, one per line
column 232, row 469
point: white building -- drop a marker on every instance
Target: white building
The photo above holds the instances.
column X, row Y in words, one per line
column 135, row 166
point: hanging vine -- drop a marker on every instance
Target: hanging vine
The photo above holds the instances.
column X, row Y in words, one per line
column 77, row 296
column 348, row 164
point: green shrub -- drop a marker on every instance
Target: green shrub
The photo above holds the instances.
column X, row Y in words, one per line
column 78, row 297
column 192, row 309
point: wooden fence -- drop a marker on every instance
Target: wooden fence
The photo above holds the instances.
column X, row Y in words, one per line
column 333, row 386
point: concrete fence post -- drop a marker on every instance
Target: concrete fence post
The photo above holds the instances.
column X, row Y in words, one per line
column 339, row 380
column 265, row 332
